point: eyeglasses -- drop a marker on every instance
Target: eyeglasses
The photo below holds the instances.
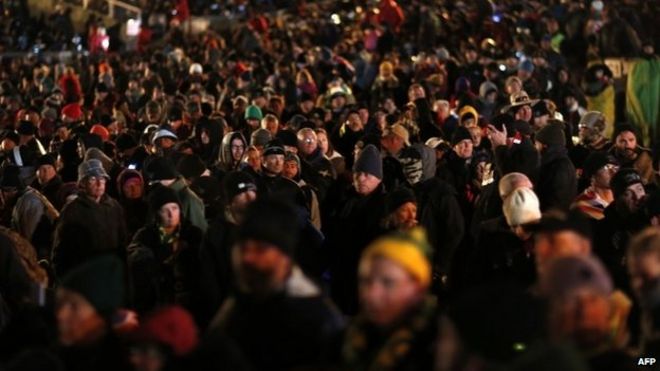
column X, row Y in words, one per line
column 309, row 141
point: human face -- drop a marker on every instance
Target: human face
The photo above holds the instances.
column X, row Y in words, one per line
column 354, row 122
column 584, row 317
column 322, row 142
column 307, row 106
column 387, row 291
column 237, row 149
column 262, row 268
column 464, row 148
column 475, row 133
column 132, row 189
column 644, row 272
column 406, row 216
column 626, row 143
column 551, row 245
column 272, row 126
column 633, row 197
column 274, row 163
column 147, row 357
column 78, row 323
column 524, row 113
column 169, row 215
column 45, row 173
column 253, row 123
column 166, row 143
column 602, row 177
column 94, row 186
column 365, row 183
column 254, row 160
column 240, row 203
column 309, row 143
column 392, row 143
column 290, row 169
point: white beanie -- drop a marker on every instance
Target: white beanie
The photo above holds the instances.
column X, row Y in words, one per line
column 195, row 68
column 521, row 207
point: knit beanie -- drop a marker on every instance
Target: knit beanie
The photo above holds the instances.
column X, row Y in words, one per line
column 565, row 276
column 397, row 198
column 101, row 131
column 237, row 182
column 521, row 207
column 410, row 250
column 161, row 195
column 271, row 221
column 100, row 282
column 190, row 166
column 274, row 147
column 160, row 168
column 369, row 162
column 253, row 113
column 260, row 137
column 460, row 133
column 125, row 141
column 618, row 129
column 171, row 326
column 551, row 135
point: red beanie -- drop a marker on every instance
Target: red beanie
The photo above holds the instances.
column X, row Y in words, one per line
column 172, row 326
column 73, row 111
column 101, row 131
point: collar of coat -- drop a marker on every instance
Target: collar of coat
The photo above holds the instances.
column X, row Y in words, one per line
column 397, row 345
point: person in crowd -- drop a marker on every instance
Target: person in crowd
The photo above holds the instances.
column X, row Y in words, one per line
column 557, row 184
column 162, row 171
column 130, row 191
column 598, row 170
column 397, row 319
column 92, row 224
column 591, row 131
column 163, row 258
column 48, row 182
column 278, row 317
column 629, row 153
column 86, row 303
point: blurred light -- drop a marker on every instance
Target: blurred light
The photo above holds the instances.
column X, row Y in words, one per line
column 215, row 6
column 376, row 11
column 358, row 9
column 335, row 19
column 133, row 27
column 502, row 67
column 76, row 39
column 497, row 18
column 105, row 43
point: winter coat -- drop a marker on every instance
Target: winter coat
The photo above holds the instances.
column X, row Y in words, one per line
column 108, row 354
column 225, row 160
column 500, row 255
column 643, row 164
column 165, row 271
column 557, row 184
column 50, row 189
column 290, row 329
column 354, row 225
column 318, row 172
column 440, row 214
column 86, row 229
column 34, row 218
column 216, row 272
column 406, row 346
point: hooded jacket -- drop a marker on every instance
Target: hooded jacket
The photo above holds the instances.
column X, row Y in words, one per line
column 225, row 159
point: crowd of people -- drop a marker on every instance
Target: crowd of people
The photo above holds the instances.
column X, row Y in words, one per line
column 356, row 185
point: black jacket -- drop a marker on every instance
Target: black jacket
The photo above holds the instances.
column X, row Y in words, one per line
column 557, row 184
column 354, row 225
column 159, row 275
column 291, row 329
column 86, row 229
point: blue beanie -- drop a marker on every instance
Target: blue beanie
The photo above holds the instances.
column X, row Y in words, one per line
column 369, row 162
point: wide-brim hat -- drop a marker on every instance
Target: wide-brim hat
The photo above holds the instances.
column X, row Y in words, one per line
column 518, row 100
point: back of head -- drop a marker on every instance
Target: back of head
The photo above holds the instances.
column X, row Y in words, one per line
column 512, row 181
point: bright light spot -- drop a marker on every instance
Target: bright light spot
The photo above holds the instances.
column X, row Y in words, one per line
column 133, row 27
column 335, row 19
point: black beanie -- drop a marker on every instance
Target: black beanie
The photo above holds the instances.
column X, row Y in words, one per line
column 100, row 282
column 236, row 183
column 125, row 141
column 190, row 166
column 160, row 168
column 623, row 179
column 46, row 159
column 369, row 162
column 594, row 162
column 274, row 147
column 551, row 135
column 397, row 198
column 460, row 133
column 26, row 128
column 161, row 195
column 271, row 221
